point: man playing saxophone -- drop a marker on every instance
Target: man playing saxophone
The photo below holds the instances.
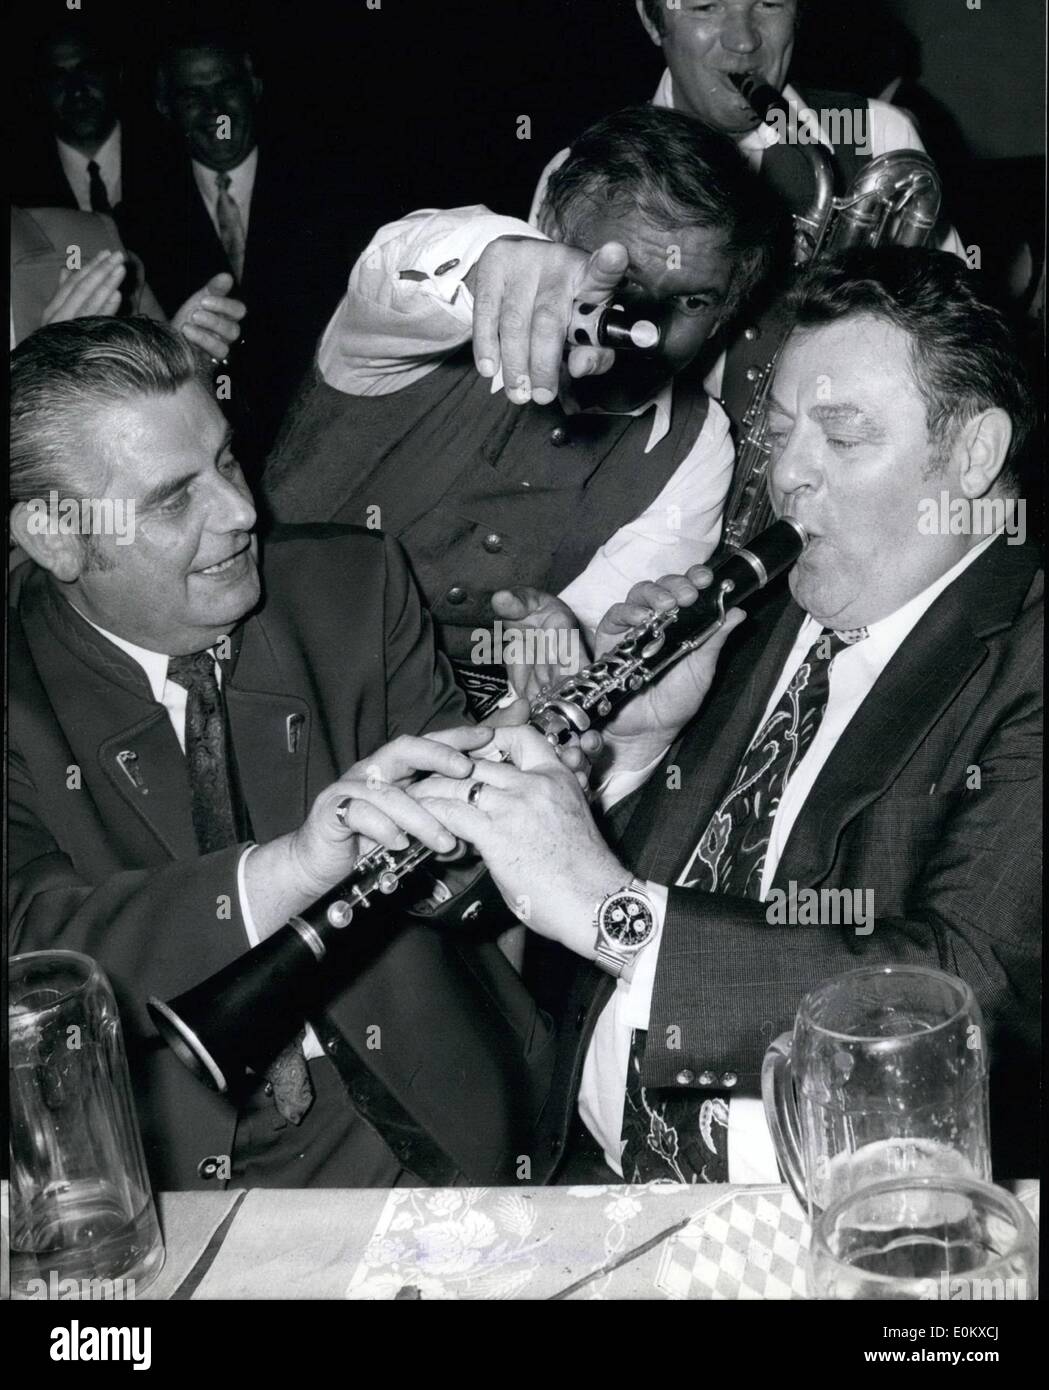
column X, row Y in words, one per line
column 816, row 145
column 876, row 728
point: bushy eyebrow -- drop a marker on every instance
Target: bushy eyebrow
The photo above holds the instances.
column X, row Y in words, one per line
column 844, row 413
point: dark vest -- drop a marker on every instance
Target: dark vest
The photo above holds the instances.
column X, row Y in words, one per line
column 483, row 494
column 790, row 174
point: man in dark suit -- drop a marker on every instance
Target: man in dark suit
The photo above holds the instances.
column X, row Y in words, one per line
column 232, row 197
column 876, row 729
column 70, row 151
column 201, row 731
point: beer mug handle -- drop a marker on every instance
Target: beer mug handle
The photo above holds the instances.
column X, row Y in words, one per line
column 781, row 1112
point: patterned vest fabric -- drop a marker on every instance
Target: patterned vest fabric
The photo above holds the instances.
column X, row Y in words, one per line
column 482, row 493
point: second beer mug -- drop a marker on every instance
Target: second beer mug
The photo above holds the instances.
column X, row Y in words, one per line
column 885, row 1076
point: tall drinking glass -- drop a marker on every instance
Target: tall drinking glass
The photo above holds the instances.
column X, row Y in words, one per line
column 885, row 1076
column 925, row 1238
column 82, row 1215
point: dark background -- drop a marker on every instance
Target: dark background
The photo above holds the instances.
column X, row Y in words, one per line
column 416, row 102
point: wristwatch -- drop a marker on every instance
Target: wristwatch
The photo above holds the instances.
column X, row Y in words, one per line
column 625, row 923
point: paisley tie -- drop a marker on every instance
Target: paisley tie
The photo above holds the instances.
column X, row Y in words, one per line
column 214, row 822
column 685, row 1137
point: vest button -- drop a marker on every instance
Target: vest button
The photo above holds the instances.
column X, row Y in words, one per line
column 456, row 594
column 558, row 436
column 707, row 1078
column 750, row 334
column 729, row 1079
column 751, row 373
column 208, row 1168
column 685, row 1077
column 493, row 543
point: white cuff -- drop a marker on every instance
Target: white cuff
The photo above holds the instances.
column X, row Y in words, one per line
column 635, row 995
column 617, row 786
column 250, row 928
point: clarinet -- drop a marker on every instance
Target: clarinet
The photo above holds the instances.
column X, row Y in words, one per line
column 236, row 1021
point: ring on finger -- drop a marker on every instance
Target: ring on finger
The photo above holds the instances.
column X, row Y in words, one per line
column 473, row 796
column 342, row 810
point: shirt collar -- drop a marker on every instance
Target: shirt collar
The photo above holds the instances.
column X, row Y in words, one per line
column 662, row 403
column 107, row 156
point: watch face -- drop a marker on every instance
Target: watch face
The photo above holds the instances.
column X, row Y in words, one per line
column 627, row 920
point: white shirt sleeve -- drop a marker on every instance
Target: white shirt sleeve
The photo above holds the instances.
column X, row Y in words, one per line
column 892, row 129
column 681, row 527
column 406, row 306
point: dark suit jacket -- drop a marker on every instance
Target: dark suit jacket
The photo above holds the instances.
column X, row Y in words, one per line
column 955, row 870
column 298, row 257
column 113, row 870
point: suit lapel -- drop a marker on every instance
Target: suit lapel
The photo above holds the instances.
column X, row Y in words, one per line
column 934, row 662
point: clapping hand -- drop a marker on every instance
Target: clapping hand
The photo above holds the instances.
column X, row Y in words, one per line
column 93, row 289
column 210, row 319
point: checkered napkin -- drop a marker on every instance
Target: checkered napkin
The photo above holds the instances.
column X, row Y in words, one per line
column 751, row 1243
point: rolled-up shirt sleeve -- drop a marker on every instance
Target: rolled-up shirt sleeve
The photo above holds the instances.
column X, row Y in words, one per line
column 681, row 527
column 406, row 305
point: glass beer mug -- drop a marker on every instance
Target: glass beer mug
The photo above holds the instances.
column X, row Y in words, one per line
column 82, row 1215
column 885, row 1076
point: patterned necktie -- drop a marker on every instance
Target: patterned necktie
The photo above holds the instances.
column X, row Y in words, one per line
column 231, row 225
column 99, row 196
column 215, row 825
column 683, row 1137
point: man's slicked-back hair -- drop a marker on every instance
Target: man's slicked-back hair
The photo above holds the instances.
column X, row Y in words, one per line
column 677, row 172
column 61, row 375
column 964, row 358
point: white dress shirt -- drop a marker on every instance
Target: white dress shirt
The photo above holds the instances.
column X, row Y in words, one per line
column 241, row 187
column 853, row 673
column 107, row 157
column 406, row 308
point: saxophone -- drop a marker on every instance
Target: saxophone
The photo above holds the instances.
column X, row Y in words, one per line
column 893, row 201
column 238, row 1020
